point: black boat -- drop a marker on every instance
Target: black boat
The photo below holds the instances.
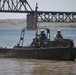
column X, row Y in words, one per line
column 53, row 50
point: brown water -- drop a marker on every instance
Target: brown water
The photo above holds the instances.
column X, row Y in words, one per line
column 12, row 66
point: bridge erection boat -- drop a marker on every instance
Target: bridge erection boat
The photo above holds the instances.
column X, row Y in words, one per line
column 50, row 49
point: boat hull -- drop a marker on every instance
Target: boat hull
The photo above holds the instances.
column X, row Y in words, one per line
column 39, row 53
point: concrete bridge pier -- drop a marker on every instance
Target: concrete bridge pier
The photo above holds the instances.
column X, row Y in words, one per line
column 29, row 21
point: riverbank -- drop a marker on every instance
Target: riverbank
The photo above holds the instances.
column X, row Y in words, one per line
column 21, row 23
column 54, row 25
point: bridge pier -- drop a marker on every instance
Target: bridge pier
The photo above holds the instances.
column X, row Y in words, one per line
column 32, row 19
column 29, row 21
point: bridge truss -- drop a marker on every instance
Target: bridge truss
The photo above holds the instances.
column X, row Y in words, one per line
column 44, row 16
column 14, row 6
column 22, row 6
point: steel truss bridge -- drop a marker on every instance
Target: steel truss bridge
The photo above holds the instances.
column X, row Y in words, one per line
column 22, row 6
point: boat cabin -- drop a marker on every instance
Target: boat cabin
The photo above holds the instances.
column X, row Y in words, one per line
column 44, row 41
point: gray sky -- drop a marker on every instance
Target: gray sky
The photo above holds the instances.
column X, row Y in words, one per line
column 45, row 5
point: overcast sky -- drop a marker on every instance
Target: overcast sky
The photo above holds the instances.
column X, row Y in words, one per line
column 44, row 5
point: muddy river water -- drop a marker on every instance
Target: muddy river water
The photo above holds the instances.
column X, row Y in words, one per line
column 13, row 66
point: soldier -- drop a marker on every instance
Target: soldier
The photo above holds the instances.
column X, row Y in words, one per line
column 42, row 37
column 58, row 36
column 35, row 42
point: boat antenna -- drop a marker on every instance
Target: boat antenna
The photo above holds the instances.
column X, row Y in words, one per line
column 36, row 8
column 36, row 13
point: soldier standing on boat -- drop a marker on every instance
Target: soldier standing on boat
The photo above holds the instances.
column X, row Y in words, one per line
column 58, row 36
column 42, row 37
column 40, row 40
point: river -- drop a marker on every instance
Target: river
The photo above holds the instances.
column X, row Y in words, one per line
column 12, row 66
column 17, row 66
